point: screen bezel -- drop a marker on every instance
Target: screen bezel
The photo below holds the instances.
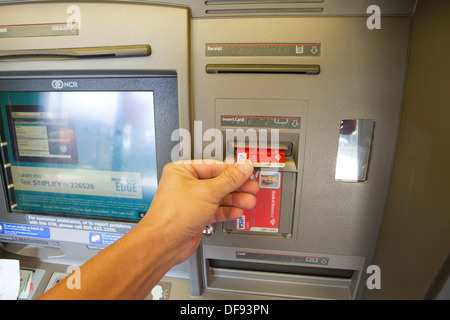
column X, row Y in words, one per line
column 166, row 111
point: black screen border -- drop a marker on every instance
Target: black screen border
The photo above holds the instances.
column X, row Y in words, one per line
column 166, row 109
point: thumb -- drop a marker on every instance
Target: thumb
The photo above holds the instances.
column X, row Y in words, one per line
column 233, row 177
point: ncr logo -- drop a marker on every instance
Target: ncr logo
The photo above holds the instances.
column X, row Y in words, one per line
column 59, row 84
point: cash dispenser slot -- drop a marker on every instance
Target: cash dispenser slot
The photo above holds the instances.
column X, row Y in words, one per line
column 310, row 69
column 281, row 273
column 280, row 280
column 127, row 51
column 281, row 268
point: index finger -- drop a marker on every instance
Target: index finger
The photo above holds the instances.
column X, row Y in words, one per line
column 204, row 169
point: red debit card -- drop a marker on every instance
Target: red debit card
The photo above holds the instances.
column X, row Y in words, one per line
column 261, row 157
column 265, row 216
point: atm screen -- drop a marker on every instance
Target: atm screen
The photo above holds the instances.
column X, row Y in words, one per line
column 82, row 153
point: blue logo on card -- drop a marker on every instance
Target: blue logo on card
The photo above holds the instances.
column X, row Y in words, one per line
column 240, row 225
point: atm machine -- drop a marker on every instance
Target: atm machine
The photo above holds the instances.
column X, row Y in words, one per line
column 92, row 92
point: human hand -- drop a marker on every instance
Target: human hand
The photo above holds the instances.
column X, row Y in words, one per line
column 191, row 196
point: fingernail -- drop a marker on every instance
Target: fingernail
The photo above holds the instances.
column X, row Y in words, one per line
column 246, row 166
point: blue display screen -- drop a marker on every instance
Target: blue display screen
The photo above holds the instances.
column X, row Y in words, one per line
column 83, row 153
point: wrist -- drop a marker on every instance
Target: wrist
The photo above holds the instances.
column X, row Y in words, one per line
column 172, row 239
column 157, row 241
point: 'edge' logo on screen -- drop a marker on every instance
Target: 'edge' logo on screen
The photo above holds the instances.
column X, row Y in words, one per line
column 59, row 84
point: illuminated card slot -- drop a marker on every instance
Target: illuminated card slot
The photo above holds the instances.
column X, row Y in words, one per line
column 262, row 158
